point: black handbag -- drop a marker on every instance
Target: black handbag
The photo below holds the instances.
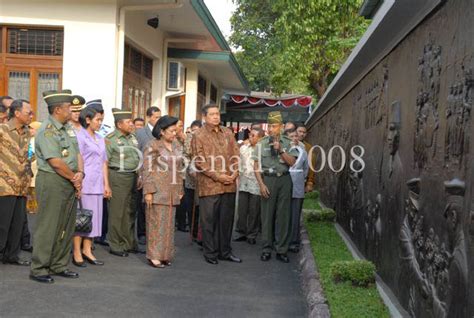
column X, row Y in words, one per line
column 83, row 219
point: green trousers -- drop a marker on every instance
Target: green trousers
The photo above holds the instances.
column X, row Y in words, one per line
column 276, row 214
column 57, row 206
column 121, row 208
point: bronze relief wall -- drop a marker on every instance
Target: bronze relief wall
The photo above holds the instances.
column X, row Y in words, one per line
column 411, row 209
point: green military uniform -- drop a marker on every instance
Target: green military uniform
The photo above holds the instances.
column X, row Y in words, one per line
column 55, row 194
column 123, row 160
column 276, row 210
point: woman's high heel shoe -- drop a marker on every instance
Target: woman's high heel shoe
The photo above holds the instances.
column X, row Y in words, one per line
column 161, row 265
column 92, row 261
column 78, row 264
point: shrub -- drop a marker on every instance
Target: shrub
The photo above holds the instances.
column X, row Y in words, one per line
column 359, row 273
column 312, row 195
column 323, row 215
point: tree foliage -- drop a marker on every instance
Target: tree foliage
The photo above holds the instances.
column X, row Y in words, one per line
column 295, row 45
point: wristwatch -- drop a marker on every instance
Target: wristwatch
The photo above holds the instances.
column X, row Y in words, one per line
column 83, row 174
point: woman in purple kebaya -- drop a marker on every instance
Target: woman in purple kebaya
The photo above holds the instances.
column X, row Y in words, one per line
column 96, row 181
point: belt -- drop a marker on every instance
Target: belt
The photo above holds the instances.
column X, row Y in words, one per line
column 275, row 174
column 118, row 169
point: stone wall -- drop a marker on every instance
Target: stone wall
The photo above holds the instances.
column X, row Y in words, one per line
column 409, row 210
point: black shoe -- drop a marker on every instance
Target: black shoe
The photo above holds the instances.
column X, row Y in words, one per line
column 78, row 264
column 18, row 262
column 282, row 258
column 102, row 242
column 197, row 242
column 42, row 279
column 27, row 248
column 230, row 258
column 265, row 257
column 161, row 265
column 92, row 261
column 116, row 253
column 251, row 241
column 212, row 261
column 183, row 229
column 136, row 251
column 67, row 274
column 240, row 239
column 294, row 249
column 142, row 240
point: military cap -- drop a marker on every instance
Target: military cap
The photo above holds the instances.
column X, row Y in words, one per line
column 455, row 190
column 55, row 97
column 120, row 114
column 96, row 104
column 77, row 103
column 275, row 118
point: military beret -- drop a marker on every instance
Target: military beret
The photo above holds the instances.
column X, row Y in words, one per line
column 77, row 103
column 55, row 97
column 275, row 118
column 120, row 114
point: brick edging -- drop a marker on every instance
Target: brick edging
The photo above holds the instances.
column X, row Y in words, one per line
column 313, row 292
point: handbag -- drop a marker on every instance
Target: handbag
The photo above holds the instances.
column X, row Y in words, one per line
column 83, row 219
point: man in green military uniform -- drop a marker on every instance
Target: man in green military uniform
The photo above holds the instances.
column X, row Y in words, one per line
column 58, row 182
column 123, row 159
column 273, row 158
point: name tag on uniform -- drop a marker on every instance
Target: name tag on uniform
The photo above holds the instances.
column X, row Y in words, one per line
column 71, row 133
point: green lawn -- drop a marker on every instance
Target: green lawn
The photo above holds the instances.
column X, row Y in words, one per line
column 344, row 299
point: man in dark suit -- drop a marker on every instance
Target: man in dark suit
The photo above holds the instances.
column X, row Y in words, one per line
column 144, row 135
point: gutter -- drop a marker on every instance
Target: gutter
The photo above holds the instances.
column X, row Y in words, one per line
column 369, row 8
column 121, row 41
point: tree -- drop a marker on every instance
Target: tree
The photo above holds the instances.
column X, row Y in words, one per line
column 298, row 45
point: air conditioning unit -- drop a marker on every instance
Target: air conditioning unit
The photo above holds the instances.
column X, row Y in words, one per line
column 176, row 76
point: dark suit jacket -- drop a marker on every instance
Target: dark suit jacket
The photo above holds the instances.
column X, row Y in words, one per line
column 143, row 136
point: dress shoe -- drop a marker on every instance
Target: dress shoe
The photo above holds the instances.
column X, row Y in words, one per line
column 161, row 265
column 42, row 279
column 240, row 239
column 67, row 274
column 183, row 229
column 212, row 261
column 197, row 242
column 136, row 251
column 27, row 248
column 251, row 241
column 294, row 249
column 167, row 263
column 230, row 258
column 92, row 261
column 18, row 262
column 142, row 240
column 282, row 258
column 265, row 257
column 116, row 253
column 78, row 264
column 102, row 242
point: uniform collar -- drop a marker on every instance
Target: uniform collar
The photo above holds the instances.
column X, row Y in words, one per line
column 56, row 123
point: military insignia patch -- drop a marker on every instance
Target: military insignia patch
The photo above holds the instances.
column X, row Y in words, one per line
column 65, row 153
column 71, row 133
column 75, row 101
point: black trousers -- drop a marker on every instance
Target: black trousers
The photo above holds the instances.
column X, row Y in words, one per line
column 190, row 204
column 25, row 232
column 181, row 211
column 217, row 219
column 296, row 208
column 141, row 221
column 12, row 219
column 105, row 221
column 248, row 217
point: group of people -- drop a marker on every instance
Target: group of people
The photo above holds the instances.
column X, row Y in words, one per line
column 141, row 181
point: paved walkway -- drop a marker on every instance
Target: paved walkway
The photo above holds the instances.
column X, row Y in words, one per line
column 128, row 287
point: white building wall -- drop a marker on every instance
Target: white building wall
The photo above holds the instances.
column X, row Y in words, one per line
column 90, row 37
column 191, row 93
